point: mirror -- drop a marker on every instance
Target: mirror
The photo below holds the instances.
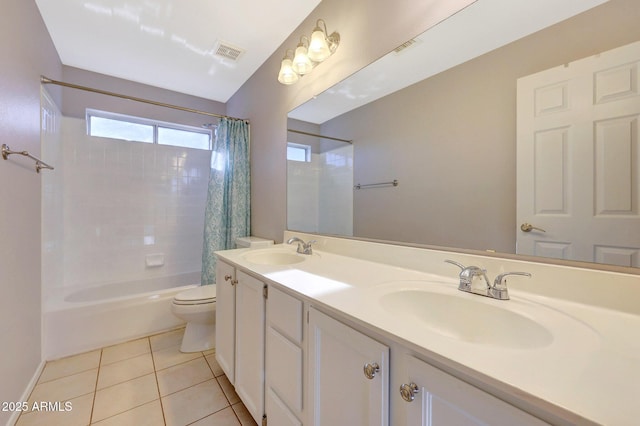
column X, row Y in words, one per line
column 446, row 128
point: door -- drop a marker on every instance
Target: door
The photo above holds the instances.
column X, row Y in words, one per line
column 226, row 318
column 578, row 160
column 345, row 387
column 434, row 398
column 250, row 319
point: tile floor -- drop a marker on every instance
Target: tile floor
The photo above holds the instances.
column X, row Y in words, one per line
column 143, row 382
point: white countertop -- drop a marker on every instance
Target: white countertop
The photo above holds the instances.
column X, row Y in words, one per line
column 588, row 369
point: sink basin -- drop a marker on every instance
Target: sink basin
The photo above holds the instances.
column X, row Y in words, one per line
column 467, row 318
column 273, row 257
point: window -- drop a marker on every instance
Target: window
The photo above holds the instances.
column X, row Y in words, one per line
column 298, row 152
column 130, row 128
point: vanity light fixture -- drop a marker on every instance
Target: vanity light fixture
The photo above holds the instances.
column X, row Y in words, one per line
column 308, row 53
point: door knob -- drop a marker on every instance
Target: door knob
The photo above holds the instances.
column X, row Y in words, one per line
column 527, row 227
column 370, row 370
column 409, row 391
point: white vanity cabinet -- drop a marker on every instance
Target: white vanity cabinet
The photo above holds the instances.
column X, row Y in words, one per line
column 431, row 397
column 226, row 318
column 285, row 359
column 348, row 375
column 240, row 327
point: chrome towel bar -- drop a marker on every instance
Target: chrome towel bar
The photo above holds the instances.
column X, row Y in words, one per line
column 6, row 152
column 376, row 185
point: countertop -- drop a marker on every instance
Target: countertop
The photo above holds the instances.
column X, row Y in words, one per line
column 587, row 370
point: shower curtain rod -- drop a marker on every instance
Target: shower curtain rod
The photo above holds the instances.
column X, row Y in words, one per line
column 46, row 80
column 320, row 136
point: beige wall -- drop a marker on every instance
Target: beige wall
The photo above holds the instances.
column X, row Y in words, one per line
column 27, row 52
column 366, row 33
column 450, row 140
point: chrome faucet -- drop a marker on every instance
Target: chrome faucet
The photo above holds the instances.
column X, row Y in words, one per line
column 497, row 290
column 303, row 248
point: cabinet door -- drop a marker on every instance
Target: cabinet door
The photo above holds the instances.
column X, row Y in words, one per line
column 340, row 392
column 250, row 311
column 226, row 319
column 443, row 400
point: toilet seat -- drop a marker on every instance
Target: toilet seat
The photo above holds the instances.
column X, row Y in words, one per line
column 196, row 296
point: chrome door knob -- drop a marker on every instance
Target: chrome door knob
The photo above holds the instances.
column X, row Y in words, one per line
column 409, row 391
column 370, row 370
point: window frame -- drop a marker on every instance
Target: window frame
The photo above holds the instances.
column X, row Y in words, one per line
column 306, row 148
column 155, row 124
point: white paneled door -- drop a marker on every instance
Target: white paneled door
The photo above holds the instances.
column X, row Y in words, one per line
column 578, row 160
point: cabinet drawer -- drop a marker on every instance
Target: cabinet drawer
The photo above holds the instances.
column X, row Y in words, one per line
column 285, row 314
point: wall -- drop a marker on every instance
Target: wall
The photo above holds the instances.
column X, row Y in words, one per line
column 27, row 52
column 450, row 139
column 357, row 21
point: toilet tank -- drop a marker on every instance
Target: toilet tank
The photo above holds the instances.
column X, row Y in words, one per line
column 253, row 242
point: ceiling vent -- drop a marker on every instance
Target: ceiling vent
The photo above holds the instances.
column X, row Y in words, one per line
column 227, row 51
column 405, row 45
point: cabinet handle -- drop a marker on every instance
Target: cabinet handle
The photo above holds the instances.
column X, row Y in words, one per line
column 409, row 391
column 228, row 278
column 370, row 370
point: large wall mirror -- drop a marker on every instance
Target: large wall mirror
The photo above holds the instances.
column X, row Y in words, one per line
column 430, row 137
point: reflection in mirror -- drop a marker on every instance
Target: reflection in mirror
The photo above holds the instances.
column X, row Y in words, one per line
column 451, row 138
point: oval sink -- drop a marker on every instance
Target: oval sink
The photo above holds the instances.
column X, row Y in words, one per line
column 273, row 257
column 466, row 319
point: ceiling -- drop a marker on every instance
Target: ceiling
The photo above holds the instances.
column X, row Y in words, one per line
column 173, row 44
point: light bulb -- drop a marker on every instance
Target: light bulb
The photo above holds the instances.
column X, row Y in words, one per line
column 287, row 75
column 318, row 47
column 301, row 62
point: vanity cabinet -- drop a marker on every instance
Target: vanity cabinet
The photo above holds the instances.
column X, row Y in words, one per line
column 431, row 397
column 285, row 359
column 240, row 328
column 348, row 375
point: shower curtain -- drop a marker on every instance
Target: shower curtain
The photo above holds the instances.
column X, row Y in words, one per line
column 228, row 210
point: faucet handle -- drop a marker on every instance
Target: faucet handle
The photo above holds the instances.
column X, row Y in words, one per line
column 459, row 265
column 498, row 282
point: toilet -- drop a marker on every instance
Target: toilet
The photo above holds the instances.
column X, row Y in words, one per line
column 197, row 307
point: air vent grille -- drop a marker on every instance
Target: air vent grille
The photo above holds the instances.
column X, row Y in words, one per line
column 405, row 45
column 228, row 51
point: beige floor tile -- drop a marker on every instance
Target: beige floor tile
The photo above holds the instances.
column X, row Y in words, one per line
column 172, row 356
column 70, row 365
column 149, row 414
column 243, row 414
column 215, row 367
column 183, row 375
column 226, row 417
column 124, row 396
column 228, row 389
column 65, row 388
column 125, row 350
column 78, row 414
column 209, row 352
column 122, row 371
column 166, row 340
column 194, row 403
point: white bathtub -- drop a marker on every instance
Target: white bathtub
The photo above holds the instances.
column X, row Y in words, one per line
column 112, row 313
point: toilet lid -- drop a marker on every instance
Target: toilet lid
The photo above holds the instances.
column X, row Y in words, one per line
column 201, row 294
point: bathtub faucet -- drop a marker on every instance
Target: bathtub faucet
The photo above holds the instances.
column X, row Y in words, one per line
column 303, row 248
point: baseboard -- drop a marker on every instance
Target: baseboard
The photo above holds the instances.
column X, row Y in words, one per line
column 27, row 392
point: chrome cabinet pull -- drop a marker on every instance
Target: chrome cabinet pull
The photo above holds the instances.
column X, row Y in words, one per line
column 527, row 227
column 228, row 278
column 409, row 391
column 370, row 370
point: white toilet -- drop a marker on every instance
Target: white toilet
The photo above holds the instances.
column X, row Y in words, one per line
column 197, row 307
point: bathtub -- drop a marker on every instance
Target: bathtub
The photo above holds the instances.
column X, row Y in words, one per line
column 108, row 314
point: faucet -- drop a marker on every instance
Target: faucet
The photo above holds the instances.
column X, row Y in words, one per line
column 303, row 248
column 497, row 290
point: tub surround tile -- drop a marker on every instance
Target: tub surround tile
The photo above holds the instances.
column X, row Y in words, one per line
column 122, row 371
column 70, row 365
column 194, row 403
column 149, row 414
column 124, row 396
column 124, row 351
column 182, row 376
